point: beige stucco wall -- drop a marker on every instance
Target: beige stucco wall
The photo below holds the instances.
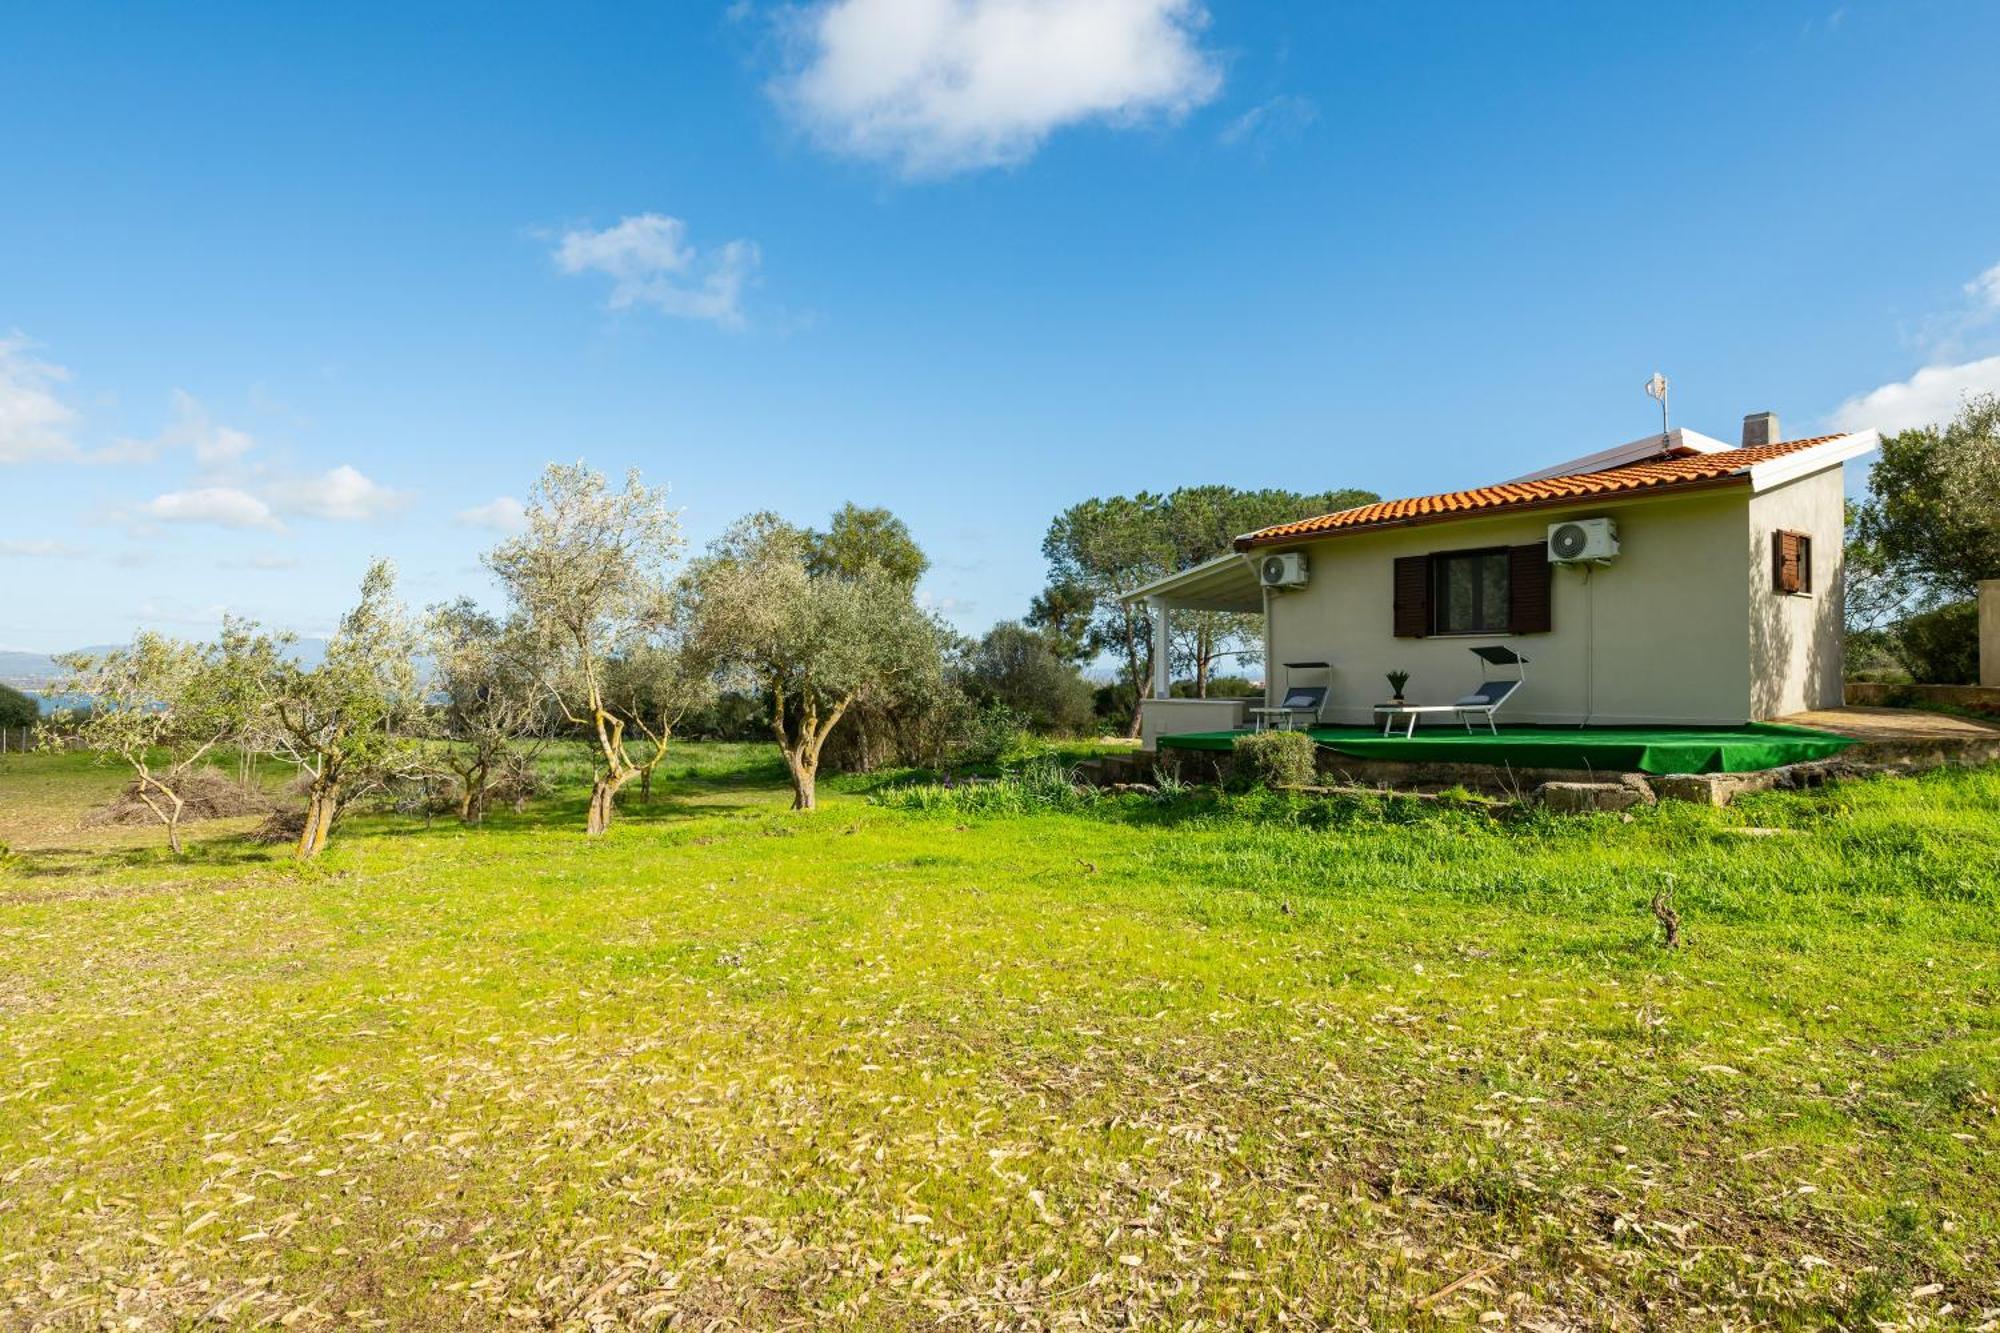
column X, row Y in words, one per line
column 1658, row 636
column 1796, row 640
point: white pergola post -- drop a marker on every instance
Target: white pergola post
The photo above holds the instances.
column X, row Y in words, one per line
column 1163, row 676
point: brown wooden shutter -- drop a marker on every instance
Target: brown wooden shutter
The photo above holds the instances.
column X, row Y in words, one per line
column 1413, row 596
column 1785, row 565
column 1530, row 607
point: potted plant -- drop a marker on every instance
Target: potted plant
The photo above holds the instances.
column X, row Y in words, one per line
column 1397, row 680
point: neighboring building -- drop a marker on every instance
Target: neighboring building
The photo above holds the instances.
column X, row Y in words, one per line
column 1721, row 605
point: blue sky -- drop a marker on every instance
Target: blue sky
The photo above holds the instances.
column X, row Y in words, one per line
column 282, row 287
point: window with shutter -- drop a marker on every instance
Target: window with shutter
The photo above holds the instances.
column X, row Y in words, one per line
column 1530, row 596
column 1791, row 562
column 1413, row 596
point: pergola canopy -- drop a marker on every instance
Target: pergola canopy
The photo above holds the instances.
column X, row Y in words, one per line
column 1226, row 583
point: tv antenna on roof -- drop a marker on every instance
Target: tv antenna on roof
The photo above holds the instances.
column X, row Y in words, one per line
column 1656, row 388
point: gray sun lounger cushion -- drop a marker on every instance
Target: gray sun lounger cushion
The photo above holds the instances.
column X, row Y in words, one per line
column 1489, row 695
column 1305, row 697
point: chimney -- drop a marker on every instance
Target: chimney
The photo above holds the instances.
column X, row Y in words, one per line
column 1760, row 428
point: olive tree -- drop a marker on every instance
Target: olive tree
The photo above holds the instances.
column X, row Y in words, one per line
column 492, row 712
column 659, row 681
column 161, row 706
column 589, row 577
column 347, row 720
column 814, row 643
column 246, row 667
column 857, row 540
column 1933, row 507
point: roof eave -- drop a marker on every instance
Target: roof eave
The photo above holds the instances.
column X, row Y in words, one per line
column 1776, row 472
column 1252, row 541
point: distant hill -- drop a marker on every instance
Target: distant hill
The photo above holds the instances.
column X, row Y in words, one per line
column 34, row 671
column 27, row 671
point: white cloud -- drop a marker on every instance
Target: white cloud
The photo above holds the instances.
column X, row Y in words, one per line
column 37, row 546
column 213, row 445
column 650, row 262
column 1934, row 394
column 223, row 506
column 1930, row 396
column 1985, row 289
column 1285, row 116
column 270, row 560
column 34, row 422
column 504, row 514
column 343, row 494
column 938, row 86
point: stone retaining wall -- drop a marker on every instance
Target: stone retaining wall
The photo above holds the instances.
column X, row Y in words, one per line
column 1572, row 789
column 1881, row 694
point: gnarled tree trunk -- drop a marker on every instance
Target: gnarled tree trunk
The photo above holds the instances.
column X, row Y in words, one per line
column 802, row 750
column 471, row 792
column 167, row 808
column 602, row 793
column 322, row 802
column 805, row 781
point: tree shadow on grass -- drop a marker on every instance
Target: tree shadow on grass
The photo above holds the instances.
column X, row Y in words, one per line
column 60, row 862
column 566, row 813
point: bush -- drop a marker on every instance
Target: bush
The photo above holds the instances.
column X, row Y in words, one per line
column 925, row 729
column 1016, row 667
column 17, row 709
column 1941, row 647
column 1871, row 655
column 1275, row 759
column 1044, row 784
column 995, row 733
column 1233, row 687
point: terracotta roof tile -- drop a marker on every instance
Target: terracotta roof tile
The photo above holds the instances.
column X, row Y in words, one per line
column 1653, row 474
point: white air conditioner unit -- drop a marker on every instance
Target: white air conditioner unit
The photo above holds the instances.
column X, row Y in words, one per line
column 1582, row 539
column 1285, row 570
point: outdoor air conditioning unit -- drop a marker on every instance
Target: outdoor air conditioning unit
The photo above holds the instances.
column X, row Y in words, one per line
column 1582, row 539
column 1285, row 570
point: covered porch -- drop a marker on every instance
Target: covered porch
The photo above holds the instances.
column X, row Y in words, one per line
column 1226, row 583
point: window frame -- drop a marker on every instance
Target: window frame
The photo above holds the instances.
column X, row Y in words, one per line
column 1440, row 566
column 1802, row 544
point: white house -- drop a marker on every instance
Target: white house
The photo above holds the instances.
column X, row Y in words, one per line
column 1709, row 591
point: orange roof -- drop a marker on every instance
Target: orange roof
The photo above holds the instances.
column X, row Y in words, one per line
column 1654, row 474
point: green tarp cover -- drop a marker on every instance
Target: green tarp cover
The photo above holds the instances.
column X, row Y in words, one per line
column 1744, row 749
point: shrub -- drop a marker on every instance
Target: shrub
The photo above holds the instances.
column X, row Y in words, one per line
column 17, row 709
column 995, row 733
column 1941, row 647
column 1043, row 784
column 1275, row 759
column 1017, row 667
column 924, row 726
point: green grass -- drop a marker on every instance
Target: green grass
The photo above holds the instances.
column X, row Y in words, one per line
column 994, row 1058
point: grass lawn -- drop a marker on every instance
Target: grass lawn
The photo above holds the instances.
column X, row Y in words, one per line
column 1180, row 1064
